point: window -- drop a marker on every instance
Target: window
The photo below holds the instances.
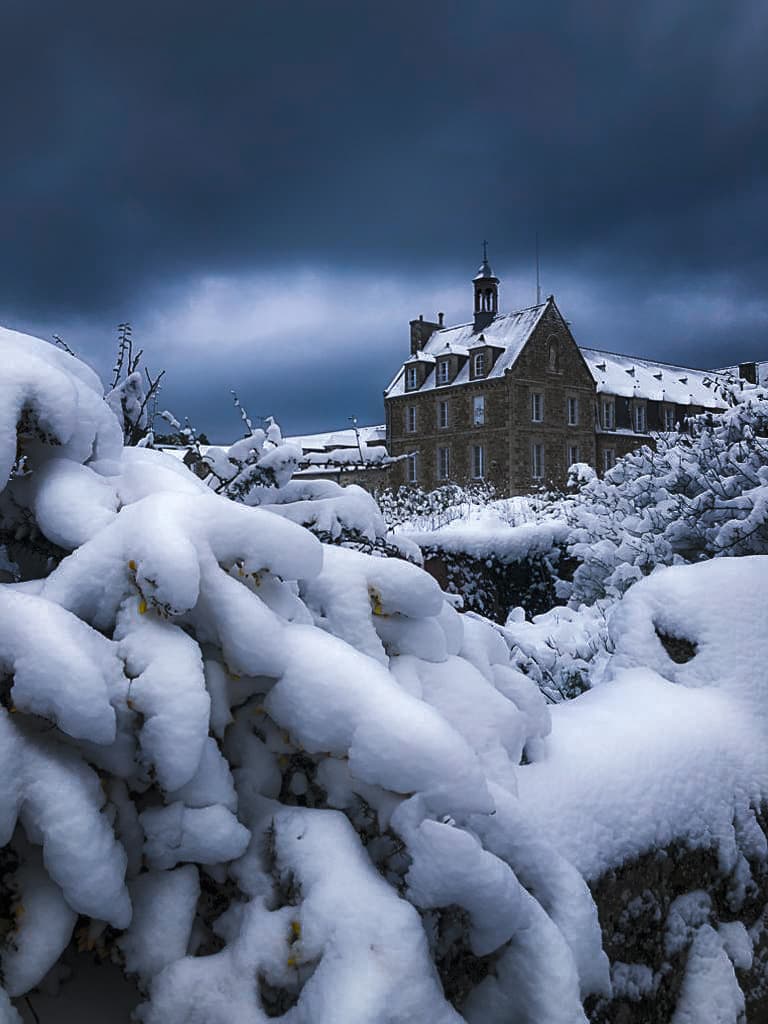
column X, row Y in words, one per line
column 478, row 462
column 413, row 472
column 573, row 455
column 443, row 372
column 537, row 407
column 669, row 418
column 573, row 412
column 478, row 410
column 640, row 419
column 609, row 459
column 411, row 378
column 480, row 364
column 609, row 414
column 553, row 356
column 442, row 414
column 537, row 461
column 410, row 419
column 443, row 463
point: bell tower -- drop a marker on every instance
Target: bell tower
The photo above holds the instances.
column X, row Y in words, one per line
column 486, row 293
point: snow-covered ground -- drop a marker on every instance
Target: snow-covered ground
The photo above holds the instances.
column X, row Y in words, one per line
column 269, row 775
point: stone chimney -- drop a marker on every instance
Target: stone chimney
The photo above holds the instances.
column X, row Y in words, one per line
column 748, row 372
column 421, row 331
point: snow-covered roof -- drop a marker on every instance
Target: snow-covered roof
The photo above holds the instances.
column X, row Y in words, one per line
column 614, row 373
column 633, row 377
column 346, row 438
column 508, row 332
column 733, row 371
column 485, row 273
column 450, row 348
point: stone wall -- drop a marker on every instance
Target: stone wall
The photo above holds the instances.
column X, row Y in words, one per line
column 636, row 905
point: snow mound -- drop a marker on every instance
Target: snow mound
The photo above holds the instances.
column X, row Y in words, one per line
column 672, row 745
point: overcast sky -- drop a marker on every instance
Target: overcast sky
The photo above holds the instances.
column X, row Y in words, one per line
column 270, row 191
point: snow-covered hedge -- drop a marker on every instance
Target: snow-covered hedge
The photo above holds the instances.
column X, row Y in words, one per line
column 269, row 776
column 265, row 773
column 700, row 494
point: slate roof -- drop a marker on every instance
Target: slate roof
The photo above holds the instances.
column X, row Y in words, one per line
column 633, row 377
column 509, row 332
column 762, row 372
column 614, row 373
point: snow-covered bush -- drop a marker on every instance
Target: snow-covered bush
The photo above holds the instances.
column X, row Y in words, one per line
column 258, row 471
column 132, row 396
column 699, row 494
column 662, row 769
column 417, row 509
column 263, row 774
column 492, row 567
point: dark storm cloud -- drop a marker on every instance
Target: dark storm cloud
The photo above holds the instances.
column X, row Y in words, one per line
column 146, row 147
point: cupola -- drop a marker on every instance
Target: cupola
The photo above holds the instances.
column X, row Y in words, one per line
column 486, row 286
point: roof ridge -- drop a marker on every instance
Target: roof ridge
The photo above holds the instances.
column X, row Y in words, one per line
column 645, row 359
column 499, row 316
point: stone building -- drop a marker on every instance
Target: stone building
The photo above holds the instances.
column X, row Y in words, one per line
column 512, row 399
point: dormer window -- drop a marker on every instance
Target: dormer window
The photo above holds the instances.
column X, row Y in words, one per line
column 411, row 378
column 444, row 372
column 480, row 364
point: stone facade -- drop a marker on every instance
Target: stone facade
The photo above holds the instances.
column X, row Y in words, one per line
column 512, row 400
column 550, row 366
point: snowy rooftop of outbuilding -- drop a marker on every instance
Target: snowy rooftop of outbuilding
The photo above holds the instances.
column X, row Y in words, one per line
column 370, row 435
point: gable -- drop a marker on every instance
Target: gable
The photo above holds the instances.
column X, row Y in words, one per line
column 552, row 337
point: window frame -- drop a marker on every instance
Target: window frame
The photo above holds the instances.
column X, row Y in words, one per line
column 608, row 404
column 534, row 396
column 443, row 371
column 572, row 402
column 537, row 450
column 640, row 418
column 443, row 421
column 411, row 378
column 609, row 459
column 478, row 364
column 411, row 419
column 478, row 420
column 412, row 473
column 569, row 450
column 670, row 420
column 478, row 449
column 443, row 453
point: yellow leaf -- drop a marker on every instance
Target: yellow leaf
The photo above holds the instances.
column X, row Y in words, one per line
column 142, row 606
column 132, row 565
column 296, row 929
column 375, row 597
column 291, row 961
